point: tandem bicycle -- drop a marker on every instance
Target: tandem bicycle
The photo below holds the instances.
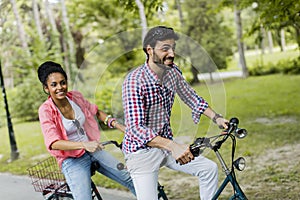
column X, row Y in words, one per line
column 47, row 178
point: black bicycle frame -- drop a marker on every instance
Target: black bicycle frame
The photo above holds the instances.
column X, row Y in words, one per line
column 238, row 193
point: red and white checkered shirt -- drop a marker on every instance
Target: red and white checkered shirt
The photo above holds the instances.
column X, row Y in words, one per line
column 148, row 104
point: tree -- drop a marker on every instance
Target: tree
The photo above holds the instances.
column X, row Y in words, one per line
column 67, row 42
column 239, row 33
column 276, row 15
column 205, row 25
column 101, row 20
column 235, row 4
column 36, row 16
column 20, row 27
column 143, row 19
column 53, row 36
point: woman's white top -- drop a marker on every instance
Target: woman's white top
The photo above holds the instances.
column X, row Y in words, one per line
column 73, row 132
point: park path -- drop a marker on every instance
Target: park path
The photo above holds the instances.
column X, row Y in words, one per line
column 220, row 75
column 14, row 187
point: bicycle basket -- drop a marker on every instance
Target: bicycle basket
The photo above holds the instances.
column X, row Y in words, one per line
column 46, row 176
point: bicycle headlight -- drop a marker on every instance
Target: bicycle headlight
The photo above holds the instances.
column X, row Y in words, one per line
column 240, row 133
column 240, row 163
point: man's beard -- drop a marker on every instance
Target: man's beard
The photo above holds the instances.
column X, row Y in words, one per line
column 160, row 62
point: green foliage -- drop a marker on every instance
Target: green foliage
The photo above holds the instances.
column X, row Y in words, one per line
column 207, row 27
column 275, row 15
column 26, row 99
column 285, row 67
column 284, row 12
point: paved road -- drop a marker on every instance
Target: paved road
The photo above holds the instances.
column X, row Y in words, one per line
column 220, row 75
column 14, row 187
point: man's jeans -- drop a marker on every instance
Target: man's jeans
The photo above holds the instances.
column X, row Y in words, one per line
column 144, row 165
column 78, row 174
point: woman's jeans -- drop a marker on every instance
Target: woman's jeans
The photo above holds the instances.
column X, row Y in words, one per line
column 77, row 172
column 144, row 165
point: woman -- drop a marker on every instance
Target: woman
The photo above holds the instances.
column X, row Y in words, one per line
column 71, row 133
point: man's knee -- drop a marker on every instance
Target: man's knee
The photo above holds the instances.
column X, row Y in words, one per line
column 214, row 168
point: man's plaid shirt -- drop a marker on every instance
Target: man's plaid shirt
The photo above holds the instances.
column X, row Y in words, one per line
column 148, row 103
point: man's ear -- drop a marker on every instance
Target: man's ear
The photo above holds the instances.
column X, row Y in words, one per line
column 149, row 50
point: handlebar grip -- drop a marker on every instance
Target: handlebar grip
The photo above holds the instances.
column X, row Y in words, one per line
column 232, row 125
column 195, row 151
column 234, row 120
column 199, row 143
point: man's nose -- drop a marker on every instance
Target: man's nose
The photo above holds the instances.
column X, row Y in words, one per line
column 171, row 52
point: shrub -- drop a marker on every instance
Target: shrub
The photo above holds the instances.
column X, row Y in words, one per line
column 285, row 67
column 26, row 98
column 109, row 100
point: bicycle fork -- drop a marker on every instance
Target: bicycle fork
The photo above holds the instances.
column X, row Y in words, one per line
column 238, row 193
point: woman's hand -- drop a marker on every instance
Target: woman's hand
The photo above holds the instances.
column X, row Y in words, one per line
column 92, row 146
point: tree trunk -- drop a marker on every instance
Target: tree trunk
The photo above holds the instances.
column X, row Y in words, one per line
column 282, row 40
column 178, row 4
column 37, row 21
column 270, row 41
column 143, row 19
column 20, row 27
column 195, row 73
column 50, row 16
column 239, row 33
column 194, row 70
column 54, row 33
column 262, row 40
column 69, row 45
column 297, row 29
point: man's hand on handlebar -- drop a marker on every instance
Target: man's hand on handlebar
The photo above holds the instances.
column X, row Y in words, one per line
column 181, row 152
column 222, row 123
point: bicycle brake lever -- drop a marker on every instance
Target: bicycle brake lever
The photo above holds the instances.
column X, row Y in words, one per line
column 199, row 143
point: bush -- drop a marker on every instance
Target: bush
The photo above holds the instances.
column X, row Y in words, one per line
column 284, row 67
column 109, row 100
column 26, row 98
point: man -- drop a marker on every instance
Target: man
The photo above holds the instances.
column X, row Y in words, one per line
column 148, row 95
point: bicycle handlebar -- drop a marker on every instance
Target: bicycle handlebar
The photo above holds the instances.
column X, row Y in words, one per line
column 197, row 147
column 119, row 145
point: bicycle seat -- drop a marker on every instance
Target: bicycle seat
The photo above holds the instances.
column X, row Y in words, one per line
column 94, row 166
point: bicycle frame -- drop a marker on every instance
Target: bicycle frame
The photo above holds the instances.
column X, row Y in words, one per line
column 238, row 193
